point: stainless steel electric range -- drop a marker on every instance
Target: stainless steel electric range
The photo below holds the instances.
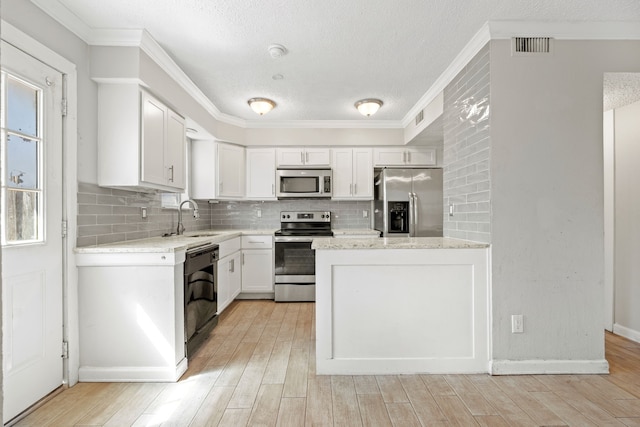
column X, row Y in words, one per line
column 295, row 261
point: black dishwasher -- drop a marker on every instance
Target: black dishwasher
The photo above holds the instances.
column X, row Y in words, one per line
column 200, row 295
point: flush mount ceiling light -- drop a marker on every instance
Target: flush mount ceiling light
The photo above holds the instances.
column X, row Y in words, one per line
column 277, row 50
column 261, row 105
column 368, row 107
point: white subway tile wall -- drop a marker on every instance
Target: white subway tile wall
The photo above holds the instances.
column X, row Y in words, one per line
column 109, row 216
column 467, row 145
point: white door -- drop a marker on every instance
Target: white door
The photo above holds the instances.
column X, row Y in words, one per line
column 31, row 154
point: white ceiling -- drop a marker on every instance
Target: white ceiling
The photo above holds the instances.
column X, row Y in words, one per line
column 338, row 51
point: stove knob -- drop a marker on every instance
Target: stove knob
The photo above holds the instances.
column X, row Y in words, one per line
column 288, row 216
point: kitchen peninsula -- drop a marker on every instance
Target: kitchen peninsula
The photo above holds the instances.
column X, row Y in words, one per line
column 401, row 305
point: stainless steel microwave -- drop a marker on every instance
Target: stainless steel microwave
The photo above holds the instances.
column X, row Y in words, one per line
column 303, row 183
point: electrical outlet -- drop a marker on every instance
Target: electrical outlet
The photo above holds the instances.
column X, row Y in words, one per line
column 451, row 209
column 143, row 213
column 365, row 214
column 517, row 324
column 259, row 213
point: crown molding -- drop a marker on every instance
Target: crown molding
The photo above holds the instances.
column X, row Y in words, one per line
column 566, row 30
column 507, row 29
column 325, row 124
column 490, row 30
column 477, row 42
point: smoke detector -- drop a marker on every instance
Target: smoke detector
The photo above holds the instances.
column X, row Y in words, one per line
column 277, row 50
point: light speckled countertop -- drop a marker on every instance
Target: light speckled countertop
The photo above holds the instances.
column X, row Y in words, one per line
column 355, row 232
column 396, row 243
column 171, row 243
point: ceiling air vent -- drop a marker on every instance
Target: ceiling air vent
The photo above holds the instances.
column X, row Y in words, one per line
column 531, row 45
column 419, row 117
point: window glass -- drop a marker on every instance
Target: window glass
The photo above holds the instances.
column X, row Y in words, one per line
column 22, row 162
column 22, row 108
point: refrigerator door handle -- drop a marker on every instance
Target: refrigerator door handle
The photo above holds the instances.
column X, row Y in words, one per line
column 411, row 219
column 415, row 214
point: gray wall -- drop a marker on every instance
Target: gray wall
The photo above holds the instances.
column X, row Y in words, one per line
column 627, row 212
column 467, row 150
column 547, row 197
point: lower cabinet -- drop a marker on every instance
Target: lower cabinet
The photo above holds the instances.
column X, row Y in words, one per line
column 257, row 264
column 229, row 273
column 131, row 316
column 229, row 280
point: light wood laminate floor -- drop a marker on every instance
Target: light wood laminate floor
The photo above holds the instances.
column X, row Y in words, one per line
column 258, row 368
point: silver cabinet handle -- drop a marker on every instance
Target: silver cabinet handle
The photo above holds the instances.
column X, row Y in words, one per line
column 171, row 169
column 301, row 157
column 232, row 266
column 404, row 157
column 408, row 156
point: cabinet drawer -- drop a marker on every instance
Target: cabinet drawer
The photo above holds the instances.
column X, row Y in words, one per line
column 257, row 242
column 229, row 246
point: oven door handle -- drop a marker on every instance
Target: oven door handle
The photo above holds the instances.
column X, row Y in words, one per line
column 294, row 239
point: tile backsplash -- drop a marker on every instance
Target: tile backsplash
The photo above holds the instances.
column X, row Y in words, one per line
column 108, row 215
column 467, row 148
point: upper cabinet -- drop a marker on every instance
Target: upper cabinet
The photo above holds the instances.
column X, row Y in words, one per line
column 352, row 173
column 303, row 156
column 404, row 156
column 217, row 170
column 261, row 173
column 141, row 141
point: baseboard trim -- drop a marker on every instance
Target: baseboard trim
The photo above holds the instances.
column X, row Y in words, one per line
column 133, row 373
column 536, row 367
column 628, row 333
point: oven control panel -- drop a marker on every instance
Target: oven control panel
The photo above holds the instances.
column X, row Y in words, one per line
column 309, row 216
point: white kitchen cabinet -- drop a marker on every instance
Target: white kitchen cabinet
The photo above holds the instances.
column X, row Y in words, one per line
column 229, row 272
column 257, row 264
column 404, row 156
column 218, row 170
column 261, row 173
column 352, row 174
column 303, row 156
column 141, row 141
column 229, row 279
column 129, row 303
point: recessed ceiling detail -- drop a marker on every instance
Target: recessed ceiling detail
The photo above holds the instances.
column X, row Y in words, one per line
column 220, row 46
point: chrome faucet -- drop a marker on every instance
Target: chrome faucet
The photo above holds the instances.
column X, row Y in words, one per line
column 196, row 215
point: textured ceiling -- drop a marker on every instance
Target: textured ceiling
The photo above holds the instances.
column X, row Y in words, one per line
column 621, row 89
column 338, row 51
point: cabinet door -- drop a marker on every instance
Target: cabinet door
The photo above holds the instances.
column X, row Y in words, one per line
column 290, row 156
column 175, row 151
column 261, row 174
column 203, row 176
column 235, row 276
column 317, row 157
column 230, row 171
column 362, row 173
column 421, row 156
column 342, row 173
column 154, row 121
column 257, row 270
column 389, row 156
column 224, row 283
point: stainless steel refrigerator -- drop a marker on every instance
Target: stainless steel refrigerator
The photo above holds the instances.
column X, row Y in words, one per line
column 408, row 202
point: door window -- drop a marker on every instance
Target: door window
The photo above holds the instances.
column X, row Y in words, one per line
column 21, row 155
